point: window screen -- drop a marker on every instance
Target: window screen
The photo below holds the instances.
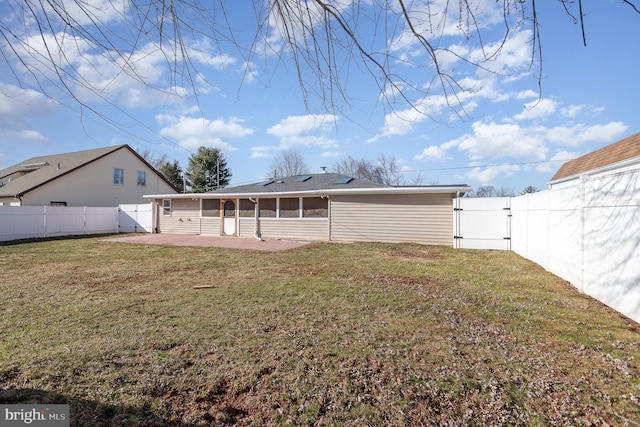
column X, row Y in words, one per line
column 267, row 208
column 211, row 207
column 289, row 208
column 246, row 208
column 315, row 207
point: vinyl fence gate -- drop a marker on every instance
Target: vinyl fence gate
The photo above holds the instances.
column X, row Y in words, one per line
column 134, row 218
column 482, row 223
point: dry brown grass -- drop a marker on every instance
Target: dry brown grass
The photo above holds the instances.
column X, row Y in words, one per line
column 359, row 334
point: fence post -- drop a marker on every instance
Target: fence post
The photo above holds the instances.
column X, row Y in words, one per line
column 44, row 221
column 583, row 179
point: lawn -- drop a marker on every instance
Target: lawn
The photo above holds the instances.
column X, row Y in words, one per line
column 325, row 334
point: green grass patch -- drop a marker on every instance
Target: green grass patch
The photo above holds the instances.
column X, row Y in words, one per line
column 325, row 334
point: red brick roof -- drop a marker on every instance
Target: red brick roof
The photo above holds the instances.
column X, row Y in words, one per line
column 614, row 153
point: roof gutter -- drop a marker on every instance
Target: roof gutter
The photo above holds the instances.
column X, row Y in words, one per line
column 453, row 189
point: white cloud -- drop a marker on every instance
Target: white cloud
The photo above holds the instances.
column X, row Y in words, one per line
column 504, row 57
column 492, row 140
column 24, row 135
column 449, row 21
column 487, row 175
column 331, row 154
column 260, row 152
column 432, row 153
column 306, row 130
column 90, row 13
column 556, row 161
column 572, row 110
column 537, row 109
column 17, row 104
column 191, row 132
column 579, row 134
column 399, row 123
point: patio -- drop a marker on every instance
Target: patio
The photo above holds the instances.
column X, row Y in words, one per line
column 209, row 241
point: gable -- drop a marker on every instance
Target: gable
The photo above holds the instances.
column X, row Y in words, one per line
column 625, row 149
column 36, row 172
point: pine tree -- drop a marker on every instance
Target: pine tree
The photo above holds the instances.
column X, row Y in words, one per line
column 207, row 170
column 173, row 173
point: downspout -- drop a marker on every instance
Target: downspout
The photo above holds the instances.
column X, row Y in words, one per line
column 256, row 220
column 154, row 216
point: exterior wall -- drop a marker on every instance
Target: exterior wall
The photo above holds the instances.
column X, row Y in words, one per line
column 209, row 226
column 184, row 218
column 295, row 229
column 92, row 185
column 423, row 219
column 9, row 201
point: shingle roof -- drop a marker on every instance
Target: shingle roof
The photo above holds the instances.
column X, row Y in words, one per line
column 322, row 181
column 44, row 169
column 625, row 149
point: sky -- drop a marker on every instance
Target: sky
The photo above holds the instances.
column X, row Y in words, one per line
column 511, row 127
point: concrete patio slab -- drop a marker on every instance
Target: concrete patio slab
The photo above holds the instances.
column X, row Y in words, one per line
column 210, row 241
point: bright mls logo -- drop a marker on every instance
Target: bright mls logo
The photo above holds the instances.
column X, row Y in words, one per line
column 36, row 415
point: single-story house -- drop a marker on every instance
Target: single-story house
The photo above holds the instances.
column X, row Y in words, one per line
column 103, row 177
column 322, row 207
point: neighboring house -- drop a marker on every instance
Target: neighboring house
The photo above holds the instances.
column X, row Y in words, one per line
column 107, row 176
column 620, row 156
column 324, row 207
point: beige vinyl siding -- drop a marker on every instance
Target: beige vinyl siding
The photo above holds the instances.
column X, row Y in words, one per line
column 184, row 218
column 295, row 229
column 245, row 227
column 210, row 226
column 423, row 219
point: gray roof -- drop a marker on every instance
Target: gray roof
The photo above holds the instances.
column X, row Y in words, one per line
column 308, row 182
column 44, row 169
column 321, row 185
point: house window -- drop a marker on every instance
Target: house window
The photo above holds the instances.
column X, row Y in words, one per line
column 142, row 179
column 315, row 207
column 246, row 208
column 166, row 207
column 58, row 204
column 211, row 207
column 267, row 208
column 118, row 176
column 290, row 208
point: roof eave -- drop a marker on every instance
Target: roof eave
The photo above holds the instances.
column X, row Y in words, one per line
column 623, row 163
column 453, row 189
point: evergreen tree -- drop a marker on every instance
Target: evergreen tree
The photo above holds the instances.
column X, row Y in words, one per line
column 173, row 173
column 207, row 170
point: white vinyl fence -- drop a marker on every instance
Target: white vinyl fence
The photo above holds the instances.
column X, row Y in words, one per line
column 586, row 231
column 28, row 222
column 135, row 218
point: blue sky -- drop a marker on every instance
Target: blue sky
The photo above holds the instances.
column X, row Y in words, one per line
column 512, row 134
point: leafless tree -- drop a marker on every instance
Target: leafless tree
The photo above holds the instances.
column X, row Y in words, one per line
column 288, row 163
column 50, row 45
column 491, row 191
column 155, row 160
column 385, row 171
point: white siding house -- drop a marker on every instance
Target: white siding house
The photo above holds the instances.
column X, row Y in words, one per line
column 107, row 176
